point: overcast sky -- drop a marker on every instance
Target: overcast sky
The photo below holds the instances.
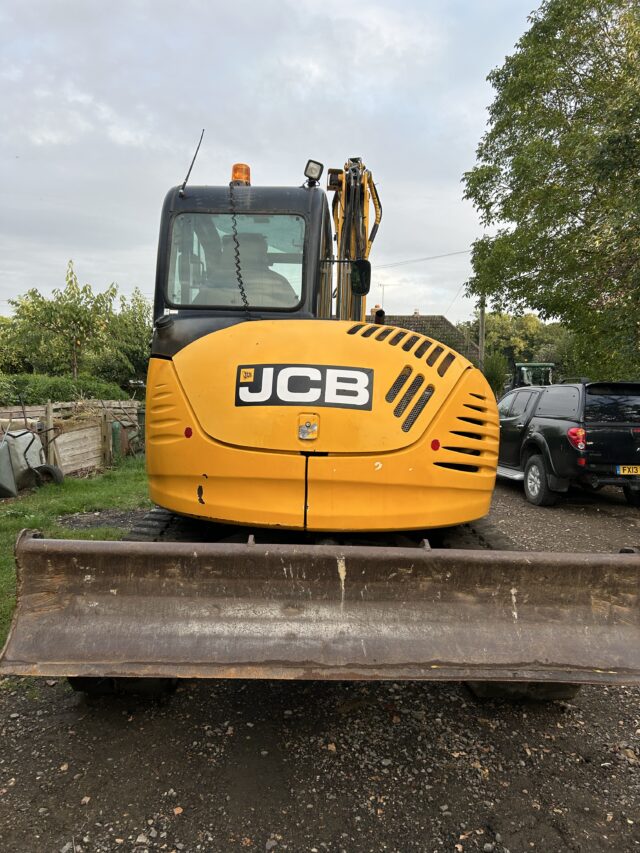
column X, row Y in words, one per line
column 103, row 103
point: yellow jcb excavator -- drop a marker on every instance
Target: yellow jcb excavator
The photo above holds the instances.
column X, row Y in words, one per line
column 318, row 480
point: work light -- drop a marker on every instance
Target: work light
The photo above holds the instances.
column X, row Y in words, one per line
column 313, row 171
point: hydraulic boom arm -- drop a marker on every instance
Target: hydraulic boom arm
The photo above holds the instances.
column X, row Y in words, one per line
column 355, row 195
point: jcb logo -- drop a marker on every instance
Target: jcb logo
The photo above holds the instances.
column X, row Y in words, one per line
column 298, row 384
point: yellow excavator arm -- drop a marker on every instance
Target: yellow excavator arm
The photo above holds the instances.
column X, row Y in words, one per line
column 355, row 194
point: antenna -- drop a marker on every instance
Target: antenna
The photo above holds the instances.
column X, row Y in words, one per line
column 184, row 183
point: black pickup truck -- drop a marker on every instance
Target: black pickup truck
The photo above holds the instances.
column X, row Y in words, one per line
column 585, row 433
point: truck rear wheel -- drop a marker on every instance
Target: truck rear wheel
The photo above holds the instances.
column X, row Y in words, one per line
column 536, row 484
column 632, row 495
column 519, row 691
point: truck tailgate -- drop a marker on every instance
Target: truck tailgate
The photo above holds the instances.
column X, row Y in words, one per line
column 613, row 444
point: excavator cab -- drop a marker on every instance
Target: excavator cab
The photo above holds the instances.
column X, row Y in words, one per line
column 267, row 252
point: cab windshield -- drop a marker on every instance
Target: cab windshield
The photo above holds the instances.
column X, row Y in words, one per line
column 535, row 374
column 206, row 261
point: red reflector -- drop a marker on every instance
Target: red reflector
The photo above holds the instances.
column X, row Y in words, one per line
column 582, row 461
column 435, row 444
column 188, row 432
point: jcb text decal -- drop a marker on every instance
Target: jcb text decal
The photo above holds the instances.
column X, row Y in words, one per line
column 301, row 384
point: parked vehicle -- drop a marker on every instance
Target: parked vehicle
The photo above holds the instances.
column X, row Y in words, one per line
column 582, row 433
column 529, row 373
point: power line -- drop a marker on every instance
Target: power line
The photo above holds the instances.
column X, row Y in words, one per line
column 420, row 260
column 459, row 291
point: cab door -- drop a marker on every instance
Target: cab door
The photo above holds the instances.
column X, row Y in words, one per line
column 512, row 426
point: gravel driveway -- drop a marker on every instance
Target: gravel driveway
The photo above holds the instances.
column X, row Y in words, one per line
column 270, row 766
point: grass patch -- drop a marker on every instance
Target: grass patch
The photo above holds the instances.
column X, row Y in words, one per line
column 124, row 487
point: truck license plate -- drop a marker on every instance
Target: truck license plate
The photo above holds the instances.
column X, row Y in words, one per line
column 628, row 470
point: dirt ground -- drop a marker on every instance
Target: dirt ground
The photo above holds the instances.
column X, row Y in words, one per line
column 270, row 766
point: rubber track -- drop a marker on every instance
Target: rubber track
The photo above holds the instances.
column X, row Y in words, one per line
column 161, row 525
column 151, row 528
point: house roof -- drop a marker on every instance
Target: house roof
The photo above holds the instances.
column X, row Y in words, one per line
column 436, row 326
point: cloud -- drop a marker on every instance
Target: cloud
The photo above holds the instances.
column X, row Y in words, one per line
column 103, row 105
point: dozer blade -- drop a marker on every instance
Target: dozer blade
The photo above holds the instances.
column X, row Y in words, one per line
column 322, row 612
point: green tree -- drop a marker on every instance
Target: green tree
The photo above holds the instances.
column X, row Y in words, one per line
column 59, row 331
column 77, row 331
column 527, row 338
column 14, row 357
column 126, row 350
column 496, row 370
column 558, row 178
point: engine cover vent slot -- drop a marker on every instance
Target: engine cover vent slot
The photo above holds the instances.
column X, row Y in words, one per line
column 395, row 340
column 446, row 363
column 398, row 384
column 408, row 396
column 472, row 444
column 474, row 421
column 424, row 346
column 410, row 339
column 384, row 334
column 467, row 450
column 476, row 436
column 416, row 411
column 407, row 391
column 406, row 346
column 458, row 466
column 434, row 355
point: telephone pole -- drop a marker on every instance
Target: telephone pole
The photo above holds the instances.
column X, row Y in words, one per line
column 481, row 333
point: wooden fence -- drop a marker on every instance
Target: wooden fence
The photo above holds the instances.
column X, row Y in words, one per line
column 78, row 450
column 67, row 410
column 80, row 436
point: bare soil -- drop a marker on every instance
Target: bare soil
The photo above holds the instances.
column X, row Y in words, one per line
column 105, row 518
column 582, row 521
column 260, row 766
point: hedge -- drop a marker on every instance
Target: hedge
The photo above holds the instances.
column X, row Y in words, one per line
column 34, row 389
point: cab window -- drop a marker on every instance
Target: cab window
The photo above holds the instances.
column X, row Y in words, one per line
column 611, row 403
column 559, row 401
column 504, row 405
column 214, row 259
column 520, row 403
